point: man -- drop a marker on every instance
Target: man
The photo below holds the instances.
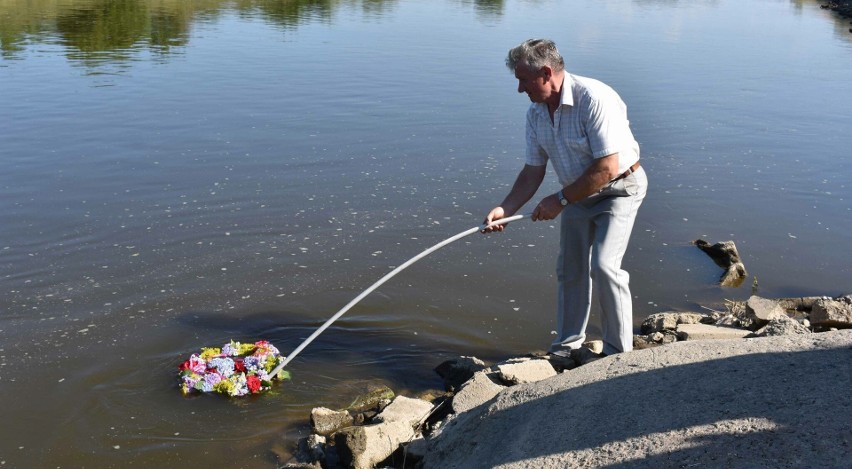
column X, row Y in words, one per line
column 580, row 125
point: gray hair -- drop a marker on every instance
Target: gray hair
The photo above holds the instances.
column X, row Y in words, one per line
column 535, row 53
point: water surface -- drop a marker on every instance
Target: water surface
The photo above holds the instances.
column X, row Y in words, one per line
column 178, row 174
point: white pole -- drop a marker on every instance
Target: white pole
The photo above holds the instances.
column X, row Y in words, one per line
column 384, row 279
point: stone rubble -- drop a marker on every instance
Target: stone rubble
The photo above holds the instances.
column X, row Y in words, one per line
column 832, row 312
column 380, row 430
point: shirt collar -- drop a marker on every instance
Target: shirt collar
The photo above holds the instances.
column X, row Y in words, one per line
column 567, row 90
column 566, row 99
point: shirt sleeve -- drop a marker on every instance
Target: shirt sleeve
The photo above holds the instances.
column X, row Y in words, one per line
column 606, row 124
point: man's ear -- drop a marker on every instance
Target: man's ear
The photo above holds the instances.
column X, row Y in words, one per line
column 546, row 72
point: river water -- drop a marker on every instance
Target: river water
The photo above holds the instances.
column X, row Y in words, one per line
column 176, row 174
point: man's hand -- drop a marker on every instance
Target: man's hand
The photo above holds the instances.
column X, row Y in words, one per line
column 495, row 214
column 522, row 191
column 548, row 209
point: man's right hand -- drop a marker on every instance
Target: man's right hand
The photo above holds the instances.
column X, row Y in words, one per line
column 495, row 214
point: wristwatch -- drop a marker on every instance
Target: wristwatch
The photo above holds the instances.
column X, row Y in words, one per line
column 562, row 199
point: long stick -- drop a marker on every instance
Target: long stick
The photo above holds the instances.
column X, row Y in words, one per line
column 384, row 279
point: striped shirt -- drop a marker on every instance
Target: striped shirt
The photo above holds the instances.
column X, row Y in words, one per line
column 590, row 123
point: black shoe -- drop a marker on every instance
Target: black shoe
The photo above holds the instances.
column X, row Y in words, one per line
column 561, row 361
column 585, row 356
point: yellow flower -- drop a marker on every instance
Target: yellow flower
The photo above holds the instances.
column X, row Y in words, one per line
column 224, row 386
column 271, row 363
column 209, row 352
column 246, row 349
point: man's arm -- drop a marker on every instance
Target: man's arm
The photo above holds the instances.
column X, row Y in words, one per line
column 596, row 176
column 526, row 184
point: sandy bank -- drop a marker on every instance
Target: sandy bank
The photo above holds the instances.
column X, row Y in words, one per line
column 764, row 402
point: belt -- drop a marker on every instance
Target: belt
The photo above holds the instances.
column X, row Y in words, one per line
column 629, row 171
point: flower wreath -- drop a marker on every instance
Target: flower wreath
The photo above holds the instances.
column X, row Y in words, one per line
column 235, row 369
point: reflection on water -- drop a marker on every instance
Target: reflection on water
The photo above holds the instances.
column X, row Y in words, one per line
column 98, row 31
column 102, row 29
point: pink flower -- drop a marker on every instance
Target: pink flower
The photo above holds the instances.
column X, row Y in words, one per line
column 196, row 364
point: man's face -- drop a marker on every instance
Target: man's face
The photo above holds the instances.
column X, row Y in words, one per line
column 532, row 82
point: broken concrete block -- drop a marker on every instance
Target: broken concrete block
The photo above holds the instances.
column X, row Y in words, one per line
column 709, row 332
column 528, row 371
column 832, row 313
column 476, row 391
column 405, row 409
column 759, row 311
column 365, row 447
column 326, row 421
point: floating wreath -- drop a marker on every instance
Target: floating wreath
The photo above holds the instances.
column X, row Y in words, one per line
column 235, row 369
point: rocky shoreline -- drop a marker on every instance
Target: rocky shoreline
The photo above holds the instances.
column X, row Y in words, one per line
column 841, row 7
column 473, row 421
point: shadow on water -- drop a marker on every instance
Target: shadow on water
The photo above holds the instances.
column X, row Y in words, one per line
column 746, row 411
column 373, row 350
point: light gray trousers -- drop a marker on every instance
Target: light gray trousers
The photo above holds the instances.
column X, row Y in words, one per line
column 594, row 236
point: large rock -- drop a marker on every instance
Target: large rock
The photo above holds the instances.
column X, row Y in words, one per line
column 759, row 311
column 803, row 303
column 525, row 371
column 781, row 325
column 832, row 313
column 309, row 452
column 372, row 399
column 457, row 371
column 364, row 447
column 475, row 392
column 659, row 322
column 709, row 332
column 326, row 421
column 405, row 409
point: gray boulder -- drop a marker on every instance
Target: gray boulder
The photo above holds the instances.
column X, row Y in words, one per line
column 660, row 322
column 832, row 313
column 475, row 392
column 405, row 409
column 457, row 371
column 374, row 398
column 528, row 370
column 325, row 421
column 363, row 447
column 759, row 311
column 781, row 325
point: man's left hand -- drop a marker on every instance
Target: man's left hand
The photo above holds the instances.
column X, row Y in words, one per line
column 548, row 209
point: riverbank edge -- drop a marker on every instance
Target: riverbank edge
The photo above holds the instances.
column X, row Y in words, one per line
column 482, row 429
